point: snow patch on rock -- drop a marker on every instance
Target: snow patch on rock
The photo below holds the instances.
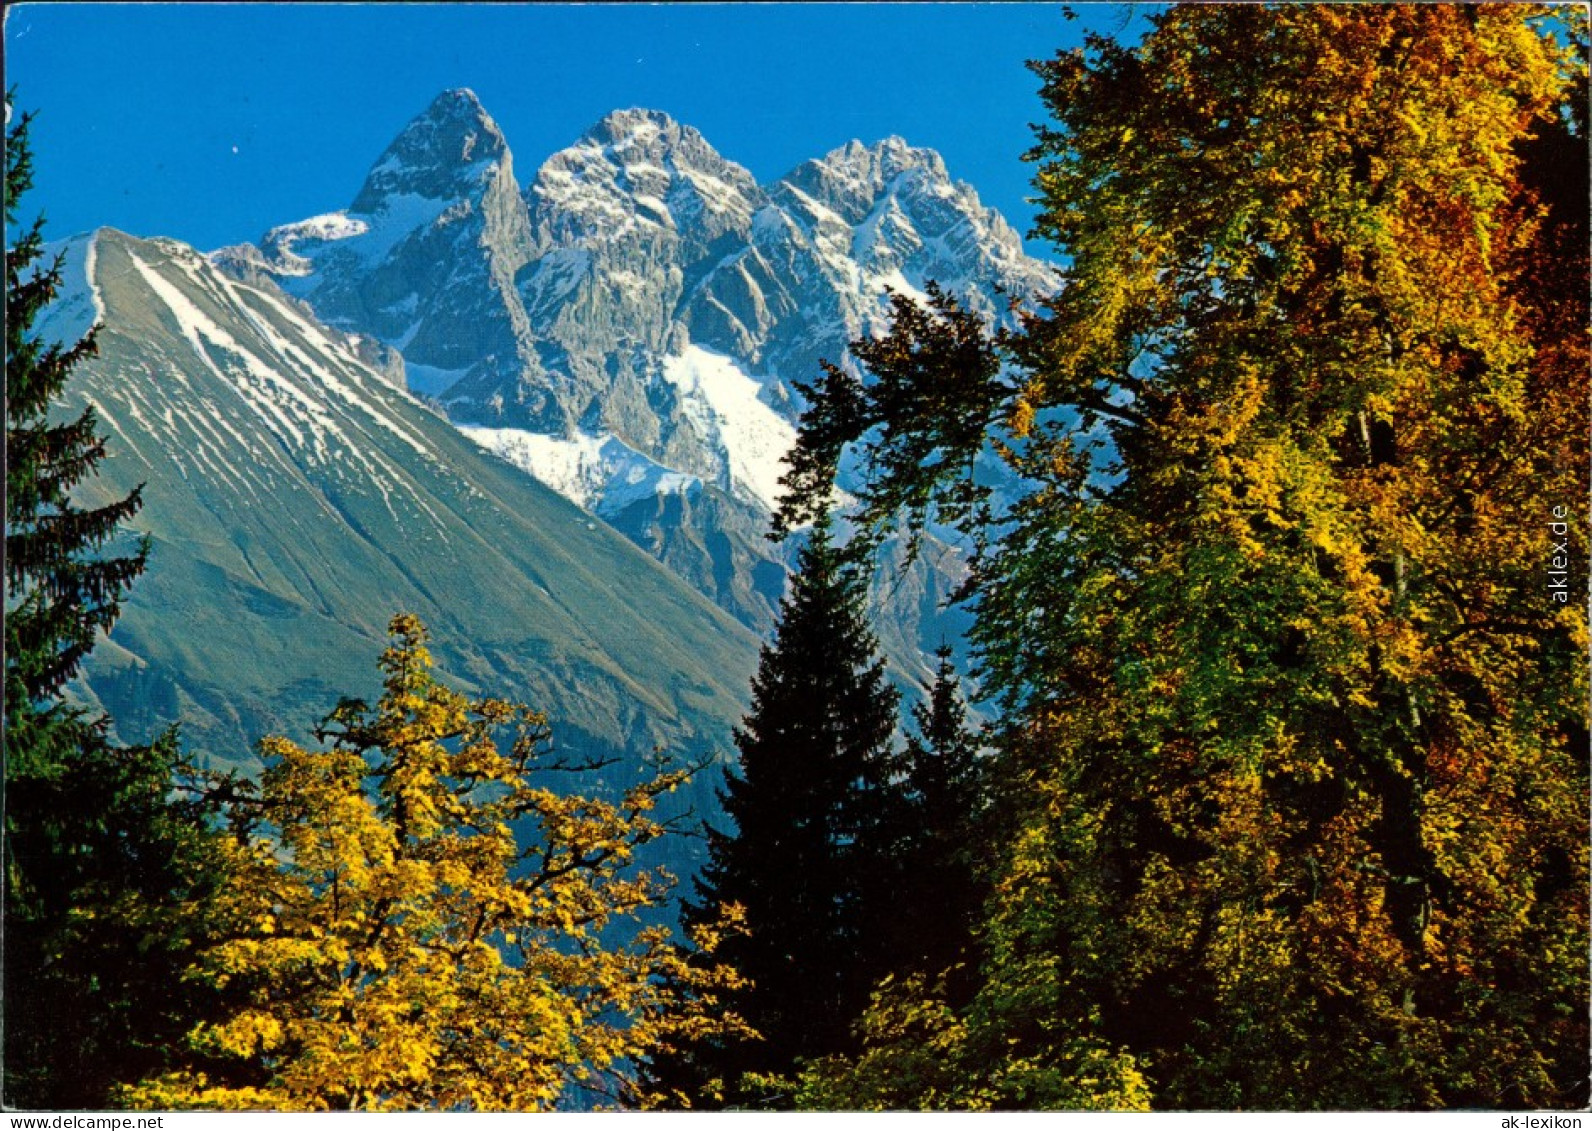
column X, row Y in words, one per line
column 600, row 473
column 78, row 306
column 722, row 400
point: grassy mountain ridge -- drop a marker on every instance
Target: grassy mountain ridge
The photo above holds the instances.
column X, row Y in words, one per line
column 295, row 500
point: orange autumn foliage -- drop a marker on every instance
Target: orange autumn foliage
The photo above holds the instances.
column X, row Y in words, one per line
column 1294, row 736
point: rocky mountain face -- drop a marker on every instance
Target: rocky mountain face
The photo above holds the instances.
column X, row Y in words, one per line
column 425, row 257
column 295, row 500
column 629, row 326
column 838, row 231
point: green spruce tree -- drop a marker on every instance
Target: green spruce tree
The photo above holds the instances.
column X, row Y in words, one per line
column 810, row 804
column 100, row 863
column 60, row 588
column 940, row 844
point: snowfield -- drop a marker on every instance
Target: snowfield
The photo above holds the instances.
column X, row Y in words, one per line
column 597, row 473
column 721, row 399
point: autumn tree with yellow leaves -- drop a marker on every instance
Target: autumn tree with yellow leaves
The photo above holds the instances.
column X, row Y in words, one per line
column 1291, row 775
column 415, row 924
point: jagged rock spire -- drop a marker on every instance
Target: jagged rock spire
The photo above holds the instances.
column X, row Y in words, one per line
column 442, row 153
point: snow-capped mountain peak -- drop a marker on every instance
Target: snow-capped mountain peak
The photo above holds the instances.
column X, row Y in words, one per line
column 423, row 260
column 885, row 160
column 850, row 179
column 640, row 168
column 638, row 135
column 443, row 153
column 637, row 125
column 446, row 165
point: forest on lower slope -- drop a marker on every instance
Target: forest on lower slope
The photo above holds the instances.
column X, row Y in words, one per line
column 1283, row 800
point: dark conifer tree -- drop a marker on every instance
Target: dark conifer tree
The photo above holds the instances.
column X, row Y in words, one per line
column 99, row 861
column 929, row 920
column 810, row 803
column 60, row 589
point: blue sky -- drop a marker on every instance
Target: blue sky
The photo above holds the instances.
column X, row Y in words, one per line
column 211, row 122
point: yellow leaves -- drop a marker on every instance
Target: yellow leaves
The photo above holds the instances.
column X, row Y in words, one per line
column 249, row 1035
column 920, row 1054
column 192, row 1091
column 373, row 974
column 730, row 920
